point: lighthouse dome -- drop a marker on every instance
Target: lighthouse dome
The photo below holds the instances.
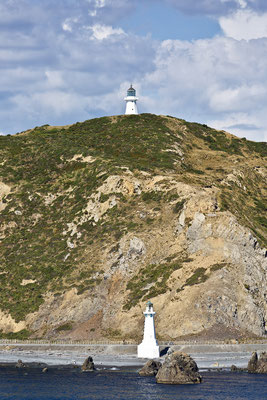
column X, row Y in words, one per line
column 131, row 91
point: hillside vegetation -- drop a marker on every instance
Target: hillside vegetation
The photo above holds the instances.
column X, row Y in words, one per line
column 83, row 209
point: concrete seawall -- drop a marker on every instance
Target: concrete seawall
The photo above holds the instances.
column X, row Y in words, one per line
column 220, row 348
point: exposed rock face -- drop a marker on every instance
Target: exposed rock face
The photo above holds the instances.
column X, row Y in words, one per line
column 258, row 365
column 150, row 368
column 219, row 235
column 4, row 191
column 88, row 365
column 8, row 324
column 178, row 368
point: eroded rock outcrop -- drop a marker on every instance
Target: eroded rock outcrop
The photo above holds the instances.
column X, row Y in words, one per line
column 20, row 364
column 150, row 368
column 178, row 368
column 88, row 365
column 258, row 365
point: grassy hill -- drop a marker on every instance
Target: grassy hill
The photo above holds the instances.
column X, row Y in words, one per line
column 50, row 240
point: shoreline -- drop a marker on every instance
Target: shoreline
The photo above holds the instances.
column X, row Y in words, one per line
column 98, row 367
column 40, row 366
column 125, row 356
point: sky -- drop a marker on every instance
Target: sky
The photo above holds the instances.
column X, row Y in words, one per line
column 65, row 61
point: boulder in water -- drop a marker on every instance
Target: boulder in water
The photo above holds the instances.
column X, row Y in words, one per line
column 258, row 365
column 150, row 368
column 234, row 368
column 88, row 365
column 20, row 364
column 178, row 368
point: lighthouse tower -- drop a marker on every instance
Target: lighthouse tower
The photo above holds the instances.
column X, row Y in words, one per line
column 149, row 347
column 131, row 99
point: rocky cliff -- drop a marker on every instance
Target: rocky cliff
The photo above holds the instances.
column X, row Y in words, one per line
column 100, row 216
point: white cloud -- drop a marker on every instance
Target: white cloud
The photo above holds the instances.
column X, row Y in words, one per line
column 66, row 27
column 68, row 24
column 52, row 101
column 92, row 13
column 54, row 79
column 244, row 24
column 242, row 97
column 242, row 3
column 211, row 81
column 100, row 3
column 100, row 32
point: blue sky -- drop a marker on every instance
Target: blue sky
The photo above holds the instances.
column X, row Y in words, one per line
column 162, row 21
column 69, row 60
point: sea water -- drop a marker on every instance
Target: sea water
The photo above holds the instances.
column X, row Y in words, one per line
column 66, row 384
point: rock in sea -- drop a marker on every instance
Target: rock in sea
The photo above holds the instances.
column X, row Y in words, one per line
column 150, row 368
column 178, row 368
column 258, row 365
column 20, row 364
column 88, row 365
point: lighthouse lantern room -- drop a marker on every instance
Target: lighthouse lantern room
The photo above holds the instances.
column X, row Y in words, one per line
column 149, row 347
column 131, row 99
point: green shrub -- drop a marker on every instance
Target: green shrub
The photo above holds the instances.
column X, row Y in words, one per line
column 65, row 327
column 178, row 207
column 217, row 267
column 23, row 334
column 103, row 197
column 199, row 276
column 152, row 196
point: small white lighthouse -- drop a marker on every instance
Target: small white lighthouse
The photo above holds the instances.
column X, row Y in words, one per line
column 131, row 99
column 149, row 347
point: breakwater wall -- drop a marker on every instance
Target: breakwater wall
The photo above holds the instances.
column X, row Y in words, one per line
column 131, row 349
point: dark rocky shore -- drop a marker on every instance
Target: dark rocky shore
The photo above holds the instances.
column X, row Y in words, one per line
column 255, row 364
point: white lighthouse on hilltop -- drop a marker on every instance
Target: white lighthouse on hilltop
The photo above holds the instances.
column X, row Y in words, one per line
column 131, row 99
column 149, row 347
